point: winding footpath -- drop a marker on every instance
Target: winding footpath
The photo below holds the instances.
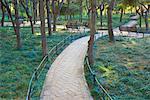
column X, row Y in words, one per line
column 65, row 79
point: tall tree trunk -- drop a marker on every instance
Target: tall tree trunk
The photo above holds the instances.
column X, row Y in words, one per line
column 109, row 13
column 9, row 13
column 17, row 24
column 54, row 22
column 48, row 16
column 43, row 35
column 146, row 21
column 92, row 31
column 101, row 18
column 101, row 7
column 28, row 15
column 3, row 15
column 80, row 10
column 121, row 15
column 34, row 11
column 56, row 12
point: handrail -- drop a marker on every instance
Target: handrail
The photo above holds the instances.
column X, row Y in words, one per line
column 45, row 60
column 95, row 78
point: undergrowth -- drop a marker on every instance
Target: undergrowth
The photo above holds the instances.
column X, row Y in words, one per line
column 17, row 66
column 123, row 68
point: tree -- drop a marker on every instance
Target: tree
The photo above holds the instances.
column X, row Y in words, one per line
column 34, row 10
column 109, row 13
column 43, row 35
column 48, row 16
column 17, row 24
column 81, row 10
column 28, row 15
column 56, row 7
column 101, row 7
column 3, row 13
column 92, row 30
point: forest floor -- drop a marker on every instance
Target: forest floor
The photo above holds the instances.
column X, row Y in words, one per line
column 17, row 66
column 123, row 67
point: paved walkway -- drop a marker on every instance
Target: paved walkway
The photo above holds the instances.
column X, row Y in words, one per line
column 65, row 79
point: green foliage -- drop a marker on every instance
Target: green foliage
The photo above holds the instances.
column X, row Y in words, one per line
column 17, row 66
column 123, row 67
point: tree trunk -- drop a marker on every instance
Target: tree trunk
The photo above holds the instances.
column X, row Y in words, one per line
column 48, row 16
column 80, row 10
column 17, row 24
column 3, row 15
column 43, row 35
column 92, row 31
column 56, row 12
column 109, row 13
column 140, row 21
column 54, row 22
column 28, row 15
column 101, row 18
column 34, row 11
column 121, row 15
column 146, row 21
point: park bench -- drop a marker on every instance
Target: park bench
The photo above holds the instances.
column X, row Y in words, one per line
column 72, row 25
column 130, row 27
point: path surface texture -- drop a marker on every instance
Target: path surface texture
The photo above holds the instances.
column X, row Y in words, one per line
column 65, row 79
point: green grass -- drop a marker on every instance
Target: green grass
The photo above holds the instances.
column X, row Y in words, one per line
column 17, row 66
column 123, row 68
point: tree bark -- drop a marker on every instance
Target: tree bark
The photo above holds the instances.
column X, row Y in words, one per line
column 121, row 15
column 17, row 24
column 16, row 29
column 3, row 15
column 109, row 13
column 56, row 12
column 43, row 35
column 48, row 16
column 92, row 31
column 34, row 11
column 101, row 18
column 80, row 10
column 28, row 15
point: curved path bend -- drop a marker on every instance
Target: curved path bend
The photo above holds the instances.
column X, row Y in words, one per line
column 65, row 79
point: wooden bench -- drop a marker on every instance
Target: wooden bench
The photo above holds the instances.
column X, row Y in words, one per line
column 130, row 27
column 73, row 25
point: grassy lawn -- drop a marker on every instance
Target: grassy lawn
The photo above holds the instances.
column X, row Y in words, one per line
column 123, row 68
column 17, row 66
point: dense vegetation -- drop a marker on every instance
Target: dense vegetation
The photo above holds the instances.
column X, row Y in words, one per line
column 123, row 67
column 17, row 66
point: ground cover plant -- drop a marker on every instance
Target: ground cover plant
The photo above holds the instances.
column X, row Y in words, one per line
column 17, row 66
column 123, row 68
